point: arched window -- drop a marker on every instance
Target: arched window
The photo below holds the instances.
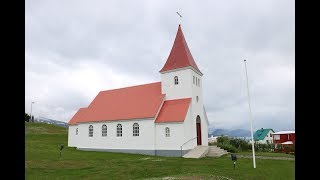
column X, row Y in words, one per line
column 193, row 79
column 176, row 80
column 135, row 129
column 199, row 82
column 77, row 131
column 167, row 132
column 197, row 98
column 90, row 131
column 119, row 130
column 196, row 81
column 104, row 130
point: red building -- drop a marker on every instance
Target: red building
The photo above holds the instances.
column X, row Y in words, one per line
column 284, row 141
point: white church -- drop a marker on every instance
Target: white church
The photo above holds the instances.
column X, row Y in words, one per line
column 165, row 118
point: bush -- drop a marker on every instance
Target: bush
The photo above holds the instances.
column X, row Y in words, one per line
column 223, row 140
column 263, row 147
column 26, row 117
column 228, row 147
column 240, row 144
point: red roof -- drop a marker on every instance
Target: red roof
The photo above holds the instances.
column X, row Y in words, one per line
column 78, row 116
column 173, row 110
column 180, row 55
column 142, row 101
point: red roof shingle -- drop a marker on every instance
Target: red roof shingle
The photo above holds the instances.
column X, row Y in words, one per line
column 173, row 110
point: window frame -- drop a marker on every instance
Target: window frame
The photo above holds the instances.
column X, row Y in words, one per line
column 104, row 131
column 176, row 80
column 91, row 131
column 135, row 129
column 167, row 132
column 119, row 130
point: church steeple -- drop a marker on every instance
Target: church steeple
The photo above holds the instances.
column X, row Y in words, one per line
column 180, row 55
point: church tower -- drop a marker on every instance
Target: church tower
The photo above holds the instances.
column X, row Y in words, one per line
column 181, row 78
column 180, row 75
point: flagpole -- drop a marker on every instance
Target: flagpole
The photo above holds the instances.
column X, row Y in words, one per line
column 252, row 140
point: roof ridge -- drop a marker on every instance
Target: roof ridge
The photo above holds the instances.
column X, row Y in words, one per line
column 130, row 86
column 178, row 99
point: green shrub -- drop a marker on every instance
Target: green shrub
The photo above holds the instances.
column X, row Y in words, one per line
column 228, row 147
column 240, row 144
column 223, row 140
column 212, row 143
column 263, row 147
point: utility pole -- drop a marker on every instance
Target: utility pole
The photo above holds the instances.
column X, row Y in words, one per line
column 31, row 112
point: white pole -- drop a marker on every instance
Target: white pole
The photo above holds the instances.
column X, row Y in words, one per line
column 31, row 112
column 252, row 140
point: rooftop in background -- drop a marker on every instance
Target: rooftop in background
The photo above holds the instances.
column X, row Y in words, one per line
column 260, row 134
column 284, row 132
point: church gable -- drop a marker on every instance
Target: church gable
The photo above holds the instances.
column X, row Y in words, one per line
column 173, row 111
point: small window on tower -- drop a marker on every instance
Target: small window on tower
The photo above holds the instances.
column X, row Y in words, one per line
column 193, row 79
column 196, row 81
column 167, row 132
column 197, row 98
column 176, row 81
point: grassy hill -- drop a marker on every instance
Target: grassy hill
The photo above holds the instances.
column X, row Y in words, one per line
column 44, row 162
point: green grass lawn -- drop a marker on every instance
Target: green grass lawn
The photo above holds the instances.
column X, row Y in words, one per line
column 44, row 162
column 269, row 154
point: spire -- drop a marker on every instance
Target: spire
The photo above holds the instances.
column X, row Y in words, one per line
column 180, row 55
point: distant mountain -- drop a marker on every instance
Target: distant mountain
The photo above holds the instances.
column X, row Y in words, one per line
column 232, row 133
column 51, row 121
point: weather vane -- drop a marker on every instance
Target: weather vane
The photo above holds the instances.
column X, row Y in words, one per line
column 180, row 17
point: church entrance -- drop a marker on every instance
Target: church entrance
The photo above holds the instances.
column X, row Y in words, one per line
column 198, row 130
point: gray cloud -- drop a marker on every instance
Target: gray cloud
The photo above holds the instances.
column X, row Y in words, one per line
column 74, row 49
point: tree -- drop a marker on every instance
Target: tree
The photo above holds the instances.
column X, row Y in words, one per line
column 26, row 117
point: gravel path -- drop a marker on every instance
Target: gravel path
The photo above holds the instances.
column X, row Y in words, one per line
column 266, row 157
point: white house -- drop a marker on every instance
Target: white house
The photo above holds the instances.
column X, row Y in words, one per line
column 212, row 139
column 263, row 136
column 165, row 118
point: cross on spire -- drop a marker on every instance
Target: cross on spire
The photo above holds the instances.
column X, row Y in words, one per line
column 179, row 16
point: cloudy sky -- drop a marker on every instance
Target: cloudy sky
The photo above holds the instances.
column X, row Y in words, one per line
column 75, row 48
